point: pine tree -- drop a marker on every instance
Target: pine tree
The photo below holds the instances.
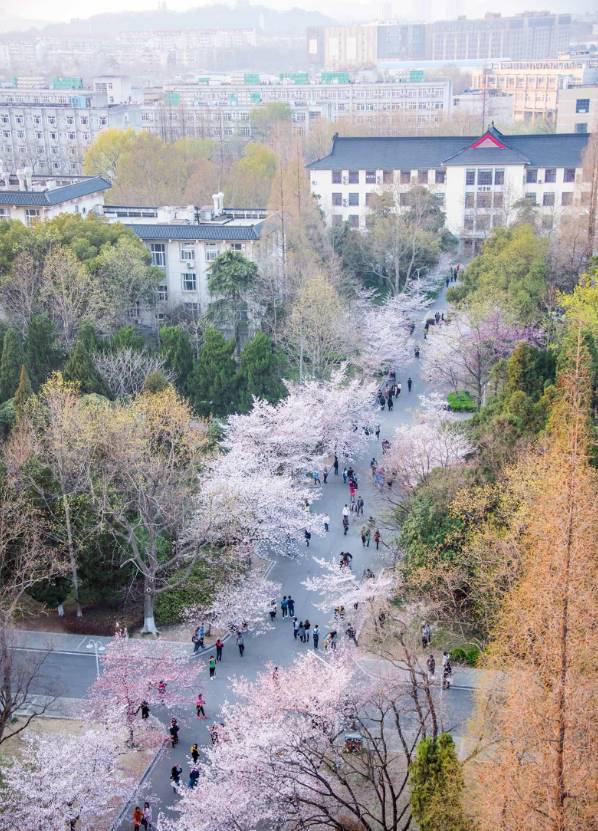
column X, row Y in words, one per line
column 23, row 392
column 79, row 367
column 41, row 348
column 259, row 372
column 212, row 387
column 176, row 347
column 230, row 281
column 13, row 358
column 436, row 782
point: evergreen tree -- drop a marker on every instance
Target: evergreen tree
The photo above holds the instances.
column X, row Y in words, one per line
column 79, row 367
column 213, row 387
column 41, row 348
column 259, row 372
column 127, row 337
column 436, row 783
column 231, row 279
column 13, row 357
column 23, row 392
column 175, row 346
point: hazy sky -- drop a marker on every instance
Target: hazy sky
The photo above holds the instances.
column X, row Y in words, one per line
column 441, row 9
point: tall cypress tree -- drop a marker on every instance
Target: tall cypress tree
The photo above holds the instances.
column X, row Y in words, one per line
column 41, row 349
column 436, row 781
column 175, row 346
column 259, row 372
column 213, row 383
column 79, row 367
column 13, row 357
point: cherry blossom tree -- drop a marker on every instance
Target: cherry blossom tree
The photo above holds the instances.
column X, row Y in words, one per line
column 338, row 587
column 59, row 781
column 135, row 671
column 462, row 353
column 242, row 603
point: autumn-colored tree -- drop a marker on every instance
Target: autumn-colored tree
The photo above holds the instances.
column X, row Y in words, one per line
column 251, row 177
column 542, row 770
column 102, row 158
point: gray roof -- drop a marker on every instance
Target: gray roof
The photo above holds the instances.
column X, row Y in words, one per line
column 413, row 152
column 44, row 198
column 210, row 233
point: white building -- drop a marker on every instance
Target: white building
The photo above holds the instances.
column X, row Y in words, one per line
column 577, row 109
column 32, row 199
column 477, row 181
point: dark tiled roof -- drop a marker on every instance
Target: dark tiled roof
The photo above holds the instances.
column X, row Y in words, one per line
column 411, row 152
column 44, row 198
column 152, row 231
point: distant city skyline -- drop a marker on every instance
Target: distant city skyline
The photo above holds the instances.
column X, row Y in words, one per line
column 64, row 10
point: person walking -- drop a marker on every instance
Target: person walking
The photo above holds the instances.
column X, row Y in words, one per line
column 360, row 505
column 301, row 632
column 316, row 477
column 416, row 352
column 390, row 404
column 273, row 610
column 194, row 751
column 295, row 628
column 409, row 383
column 377, row 432
column 363, row 533
column 241, row 643
column 174, row 732
column 291, row 606
column 307, row 627
column 218, row 646
column 307, row 537
column 137, row 817
column 426, row 635
column 373, row 465
column 316, row 635
column 345, row 525
column 344, row 476
column 431, row 664
column 377, row 538
column 193, row 777
column 212, row 667
column 368, row 537
column 148, row 816
column 346, row 511
column 326, row 523
column 199, row 706
column 175, row 777
column 325, row 472
column 335, row 465
column 144, row 707
column 351, row 633
column 284, row 606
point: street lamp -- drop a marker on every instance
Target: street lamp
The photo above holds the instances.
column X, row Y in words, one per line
column 97, row 648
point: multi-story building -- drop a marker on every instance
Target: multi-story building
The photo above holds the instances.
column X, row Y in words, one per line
column 478, row 181
column 482, row 106
column 50, row 129
column 577, row 109
column 535, row 85
column 32, row 199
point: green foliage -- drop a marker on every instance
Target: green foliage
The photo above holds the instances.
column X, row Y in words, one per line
column 231, row 279
column 24, row 392
column 265, row 118
column 468, row 655
column 259, row 372
column 212, row 386
column 195, row 589
column 176, row 347
column 79, row 367
column 436, row 781
column 461, row 402
column 154, row 382
column 43, row 354
column 127, row 337
column 8, row 416
column 13, row 358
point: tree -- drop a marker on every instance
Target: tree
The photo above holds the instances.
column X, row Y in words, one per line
column 251, row 176
column 134, row 671
column 212, row 387
column 242, row 602
column 265, row 118
column 542, row 722
column 176, row 348
column 13, row 358
column 590, row 176
column 103, row 157
column 64, row 781
column 24, row 392
column 125, row 371
column 20, row 289
column 41, row 349
column 230, row 282
column 127, row 337
column 259, row 372
column 436, row 782
column 68, row 292
column 79, row 368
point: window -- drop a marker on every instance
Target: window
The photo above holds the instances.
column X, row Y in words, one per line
column 581, row 127
column 440, row 177
column 187, row 251
column 567, row 198
column 32, row 215
column 353, row 199
column 470, row 177
column 499, row 177
column 582, row 105
column 498, row 220
column 4, row 213
column 547, row 222
column 189, row 281
column 337, row 220
column 569, row 174
column 353, row 177
column 336, row 177
column 422, row 177
column 484, row 177
column 370, row 177
column 237, row 246
column 387, row 177
column 163, row 292
column 531, row 197
column 468, row 223
column 548, row 199
column 192, row 308
column 405, row 177
column 550, row 175
column 369, row 198
column 482, row 223
column 158, row 253
column 498, row 200
column 354, row 221
column 484, row 200
column 469, row 200
column 211, row 253
column 531, row 175
column 405, row 200
column 337, row 199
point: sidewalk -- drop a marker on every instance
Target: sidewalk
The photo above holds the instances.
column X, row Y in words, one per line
column 85, row 644
column 464, row 678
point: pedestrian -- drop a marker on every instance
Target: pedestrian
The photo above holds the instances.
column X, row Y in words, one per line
column 199, row 706
column 212, row 666
column 241, row 643
column 326, row 523
column 316, row 477
column 399, row 388
column 175, row 777
column 137, row 817
column 272, row 610
column 417, row 351
column 368, row 536
column 284, row 606
column 377, row 431
column 351, row 633
column 426, row 635
column 409, row 383
column 332, row 640
column 161, row 690
column 144, row 707
column 377, row 538
column 345, row 525
column 335, row 465
column 360, row 505
column 301, row 632
column 148, row 816
column 307, row 627
column 295, row 628
column 218, row 646
column 174, row 732
column 373, row 465
column 371, row 523
column 275, row 674
column 346, row 510
column 437, row 317
column 447, row 279
column 431, row 664
column 390, row 404
column 193, row 777
column 363, row 533
column 291, row 606
column 325, row 475
column 316, row 634
column 352, row 491
column 344, row 476
column 307, row 537
column 194, row 750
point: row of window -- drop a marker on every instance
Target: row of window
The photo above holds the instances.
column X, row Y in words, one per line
column 187, row 253
column 53, row 136
column 351, row 200
column 372, row 177
column 69, row 120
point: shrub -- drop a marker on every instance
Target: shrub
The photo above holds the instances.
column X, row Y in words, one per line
column 171, row 604
column 467, row 655
column 461, row 402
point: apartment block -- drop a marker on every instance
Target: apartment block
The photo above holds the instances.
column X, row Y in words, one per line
column 477, row 180
column 577, row 109
column 32, row 199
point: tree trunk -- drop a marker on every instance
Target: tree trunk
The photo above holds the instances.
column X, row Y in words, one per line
column 149, row 622
column 72, row 555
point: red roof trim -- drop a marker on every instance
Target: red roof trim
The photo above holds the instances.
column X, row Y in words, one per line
column 485, row 137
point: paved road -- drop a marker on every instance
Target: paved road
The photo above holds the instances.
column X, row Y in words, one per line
column 74, row 673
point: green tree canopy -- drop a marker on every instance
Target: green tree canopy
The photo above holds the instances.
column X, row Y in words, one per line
column 259, row 372
column 175, row 346
column 79, row 367
column 436, row 781
column 230, row 281
column 41, row 348
column 13, row 358
column 24, row 392
column 212, row 387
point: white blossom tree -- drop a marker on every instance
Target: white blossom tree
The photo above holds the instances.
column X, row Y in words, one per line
column 239, row 604
column 124, row 371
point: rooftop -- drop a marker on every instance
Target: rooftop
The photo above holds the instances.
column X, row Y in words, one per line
column 40, row 191
column 209, row 232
